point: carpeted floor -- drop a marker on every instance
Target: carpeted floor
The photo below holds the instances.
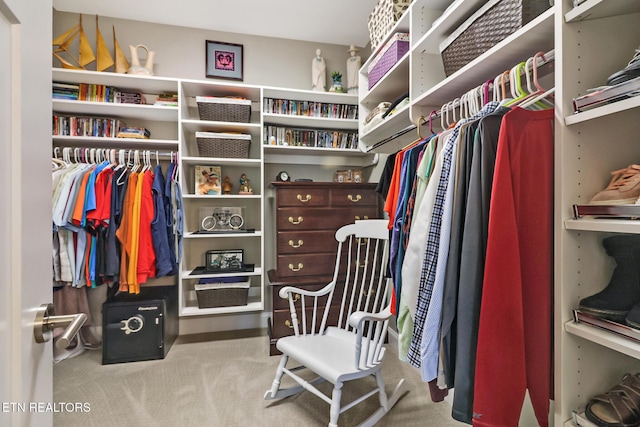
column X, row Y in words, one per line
column 217, row 380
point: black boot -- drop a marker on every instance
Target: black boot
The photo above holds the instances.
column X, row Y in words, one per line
column 623, row 291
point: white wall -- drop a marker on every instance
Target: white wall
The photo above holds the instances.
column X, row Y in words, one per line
column 180, row 51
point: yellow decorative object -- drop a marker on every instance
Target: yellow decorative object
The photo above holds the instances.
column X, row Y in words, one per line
column 63, row 42
column 104, row 59
column 121, row 63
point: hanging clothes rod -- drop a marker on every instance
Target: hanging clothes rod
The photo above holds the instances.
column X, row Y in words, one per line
column 548, row 58
column 84, row 152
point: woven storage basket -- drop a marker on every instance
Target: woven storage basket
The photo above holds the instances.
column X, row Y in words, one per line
column 224, row 109
column 225, row 145
column 388, row 58
column 222, row 294
column 383, row 17
column 491, row 24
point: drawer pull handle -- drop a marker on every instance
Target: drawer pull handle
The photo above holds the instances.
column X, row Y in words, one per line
column 296, row 222
column 300, row 267
column 296, row 245
column 307, row 198
column 354, row 199
column 288, row 323
column 357, row 217
column 296, row 297
column 366, row 293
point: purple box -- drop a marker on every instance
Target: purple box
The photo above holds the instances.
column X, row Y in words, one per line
column 387, row 61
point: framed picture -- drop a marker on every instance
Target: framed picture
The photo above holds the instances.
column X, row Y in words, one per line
column 208, row 180
column 224, row 260
column 224, row 60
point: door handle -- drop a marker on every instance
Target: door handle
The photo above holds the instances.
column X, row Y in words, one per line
column 46, row 322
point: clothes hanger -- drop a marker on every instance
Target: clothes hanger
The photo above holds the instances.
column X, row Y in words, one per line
column 541, row 97
column 431, row 114
column 420, row 120
column 157, row 158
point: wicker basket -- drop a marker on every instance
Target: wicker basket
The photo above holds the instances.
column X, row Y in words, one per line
column 225, row 145
column 211, row 295
column 383, row 17
column 491, row 24
column 388, row 57
column 224, row 109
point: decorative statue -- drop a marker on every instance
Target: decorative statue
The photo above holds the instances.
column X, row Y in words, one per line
column 226, row 186
column 318, row 72
column 353, row 66
column 245, row 187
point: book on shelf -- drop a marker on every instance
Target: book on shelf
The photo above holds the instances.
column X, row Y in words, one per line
column 293, row 107
column 102, row 127
column 134, row 132
column 297, row 137
column 605, row 324
column 607, row 94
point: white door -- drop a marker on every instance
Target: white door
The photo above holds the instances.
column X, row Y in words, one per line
column 25, row 209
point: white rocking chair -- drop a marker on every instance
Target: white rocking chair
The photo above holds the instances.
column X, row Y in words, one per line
column 354, row 348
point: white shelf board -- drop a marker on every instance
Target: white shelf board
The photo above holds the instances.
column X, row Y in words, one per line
column 220, row 197
column 393, row 84
column 192, row 235
column 193, row 160
column 111, row 109
column 283, row 149
column 186, row 275
column 310, row 121
column 388, row 127
column 536, row 36
column 603, row 225
column 310, row 95
column 605, row 110
column 144, row 84
column 193, row 88
column 593, row 9
column 402, row 26
column 206, row 125
column 446, row 24
column 604, row 338
column 195, row 311
column 125, row 143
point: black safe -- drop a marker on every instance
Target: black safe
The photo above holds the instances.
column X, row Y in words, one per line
column 142, row 327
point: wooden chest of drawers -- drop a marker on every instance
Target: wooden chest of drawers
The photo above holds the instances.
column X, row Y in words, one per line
column 307, row 217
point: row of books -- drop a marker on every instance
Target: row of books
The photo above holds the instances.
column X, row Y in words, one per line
column 102, row 127
column 310, row 108
column 275, row 135
column 95, row 93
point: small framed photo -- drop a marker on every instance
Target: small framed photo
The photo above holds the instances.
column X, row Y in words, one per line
column 224, row 260
column 224, row 60
column 208, row 180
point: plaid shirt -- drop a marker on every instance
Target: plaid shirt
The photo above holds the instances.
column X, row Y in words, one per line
column 430, row 261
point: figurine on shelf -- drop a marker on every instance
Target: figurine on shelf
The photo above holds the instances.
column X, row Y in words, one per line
column 318, row 72
column 245, row 187
column 226, row 185
column 353, row 66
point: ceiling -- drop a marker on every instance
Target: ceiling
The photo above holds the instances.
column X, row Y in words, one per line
column 323, row 21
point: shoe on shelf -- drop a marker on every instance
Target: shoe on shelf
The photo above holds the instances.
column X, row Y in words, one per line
column 631, row 71
column 633, row 317
column 622, row 293
column 620, row 406
column 623, row 189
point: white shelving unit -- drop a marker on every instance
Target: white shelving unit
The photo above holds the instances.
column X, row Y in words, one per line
column 589, row 145
column 197, row 244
